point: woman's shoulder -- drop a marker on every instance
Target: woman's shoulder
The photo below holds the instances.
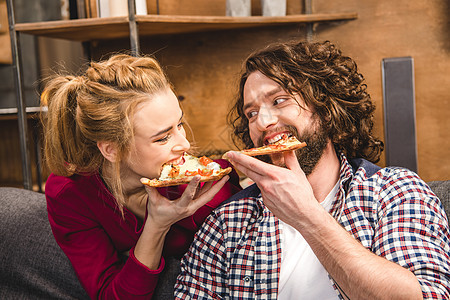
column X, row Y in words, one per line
column 63, row 189
column 56, row 184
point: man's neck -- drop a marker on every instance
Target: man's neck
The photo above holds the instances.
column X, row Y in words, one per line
column 325, row 174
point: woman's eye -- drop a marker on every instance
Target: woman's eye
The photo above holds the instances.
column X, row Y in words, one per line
column 180, row 125
column 164, row 139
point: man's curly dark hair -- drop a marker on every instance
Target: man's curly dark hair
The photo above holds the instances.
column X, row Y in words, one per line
column 327, row 81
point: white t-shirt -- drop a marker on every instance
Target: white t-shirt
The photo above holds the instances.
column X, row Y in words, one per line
column 302, row 276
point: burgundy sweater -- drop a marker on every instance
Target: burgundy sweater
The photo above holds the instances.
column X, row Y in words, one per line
column 90, row 229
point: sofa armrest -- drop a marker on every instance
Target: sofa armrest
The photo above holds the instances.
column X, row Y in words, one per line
column 441, row 189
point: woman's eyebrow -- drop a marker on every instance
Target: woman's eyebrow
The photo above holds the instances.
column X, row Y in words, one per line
column 168, row 128
column 162, row 131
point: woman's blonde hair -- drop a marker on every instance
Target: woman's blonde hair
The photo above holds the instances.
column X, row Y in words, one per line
column 96, row 106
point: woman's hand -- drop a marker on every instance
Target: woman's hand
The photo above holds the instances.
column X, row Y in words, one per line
column 163, row 212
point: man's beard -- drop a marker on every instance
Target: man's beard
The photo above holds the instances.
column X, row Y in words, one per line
column 316, row 140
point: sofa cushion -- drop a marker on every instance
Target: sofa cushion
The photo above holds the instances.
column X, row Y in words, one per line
column 441, row 189
column 32, row 266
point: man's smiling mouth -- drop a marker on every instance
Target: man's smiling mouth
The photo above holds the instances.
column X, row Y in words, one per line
column 275, row 138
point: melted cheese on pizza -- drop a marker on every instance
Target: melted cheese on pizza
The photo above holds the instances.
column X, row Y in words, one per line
column 191, row 166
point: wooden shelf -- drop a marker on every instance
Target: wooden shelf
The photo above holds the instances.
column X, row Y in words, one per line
column 151, row 25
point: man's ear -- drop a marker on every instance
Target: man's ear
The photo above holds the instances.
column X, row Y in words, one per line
column 108, row 150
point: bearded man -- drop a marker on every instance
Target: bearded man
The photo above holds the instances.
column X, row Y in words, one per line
column 324, row 222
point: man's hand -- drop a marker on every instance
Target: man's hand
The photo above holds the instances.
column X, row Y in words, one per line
column 285, row 191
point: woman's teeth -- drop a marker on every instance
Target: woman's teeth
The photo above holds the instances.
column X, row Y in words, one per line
column 178, row 161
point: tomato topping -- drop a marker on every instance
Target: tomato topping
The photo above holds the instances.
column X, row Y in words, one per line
column 174, row 171
column 205, row 172
column 276, row 146
column 205, row 160
column 190, row 173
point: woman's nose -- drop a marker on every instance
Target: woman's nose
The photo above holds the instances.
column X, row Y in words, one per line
column 182, row 143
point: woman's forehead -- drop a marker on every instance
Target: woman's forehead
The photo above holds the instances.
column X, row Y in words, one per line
column 160, row 111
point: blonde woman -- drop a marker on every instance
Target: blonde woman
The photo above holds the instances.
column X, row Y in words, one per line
column 104, row 130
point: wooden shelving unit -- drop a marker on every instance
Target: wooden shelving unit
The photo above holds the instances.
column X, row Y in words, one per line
column 152, row 25
column 133, row 27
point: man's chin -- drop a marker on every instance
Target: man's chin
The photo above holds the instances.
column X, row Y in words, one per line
column 277, row 159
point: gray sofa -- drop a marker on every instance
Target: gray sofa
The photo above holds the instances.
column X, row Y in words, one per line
column 32, row 266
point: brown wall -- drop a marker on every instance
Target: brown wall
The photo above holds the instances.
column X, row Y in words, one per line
column 204, row 66
column 420, row 29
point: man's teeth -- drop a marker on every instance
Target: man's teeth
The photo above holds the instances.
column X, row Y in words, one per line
column 277, row 138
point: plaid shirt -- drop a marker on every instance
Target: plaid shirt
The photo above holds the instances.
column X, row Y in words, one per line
column 391, row 211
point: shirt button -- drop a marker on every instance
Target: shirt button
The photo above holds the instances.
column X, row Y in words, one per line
column 247, row 279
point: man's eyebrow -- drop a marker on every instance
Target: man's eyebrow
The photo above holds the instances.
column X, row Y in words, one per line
column 167, row 129
column 265, row 95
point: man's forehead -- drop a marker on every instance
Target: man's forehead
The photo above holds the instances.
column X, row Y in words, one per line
column 260, row 87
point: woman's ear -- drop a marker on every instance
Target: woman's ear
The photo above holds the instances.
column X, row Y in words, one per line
column 108, row 150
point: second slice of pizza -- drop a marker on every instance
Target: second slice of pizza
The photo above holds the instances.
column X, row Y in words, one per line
column 286, row 143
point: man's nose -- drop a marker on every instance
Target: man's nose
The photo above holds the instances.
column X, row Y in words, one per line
column 266, row 118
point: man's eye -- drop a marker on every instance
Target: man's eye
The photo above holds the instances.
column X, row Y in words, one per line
column 251, row 114
column 279, row 101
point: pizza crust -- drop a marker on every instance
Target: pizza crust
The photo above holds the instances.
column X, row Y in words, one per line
column 285, row 144
column 184, row 180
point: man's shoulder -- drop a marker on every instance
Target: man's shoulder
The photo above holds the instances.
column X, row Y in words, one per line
column 240, row 212
column 360, row 163
column 245, row 203
column 251, row 191
column 390, row 180
column 365, row 170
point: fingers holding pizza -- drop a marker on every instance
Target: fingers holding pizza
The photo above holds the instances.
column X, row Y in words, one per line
column 165, row 212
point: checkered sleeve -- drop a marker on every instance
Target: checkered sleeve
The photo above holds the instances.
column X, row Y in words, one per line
column 412, row 230
column 203, row 267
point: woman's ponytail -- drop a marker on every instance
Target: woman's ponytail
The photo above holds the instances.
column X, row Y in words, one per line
column 63, row 142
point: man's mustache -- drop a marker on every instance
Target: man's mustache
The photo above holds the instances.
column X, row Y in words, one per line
column 291, row 129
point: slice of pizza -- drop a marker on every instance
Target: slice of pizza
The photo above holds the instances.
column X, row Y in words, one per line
column 286, row 143
column 176, row 174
